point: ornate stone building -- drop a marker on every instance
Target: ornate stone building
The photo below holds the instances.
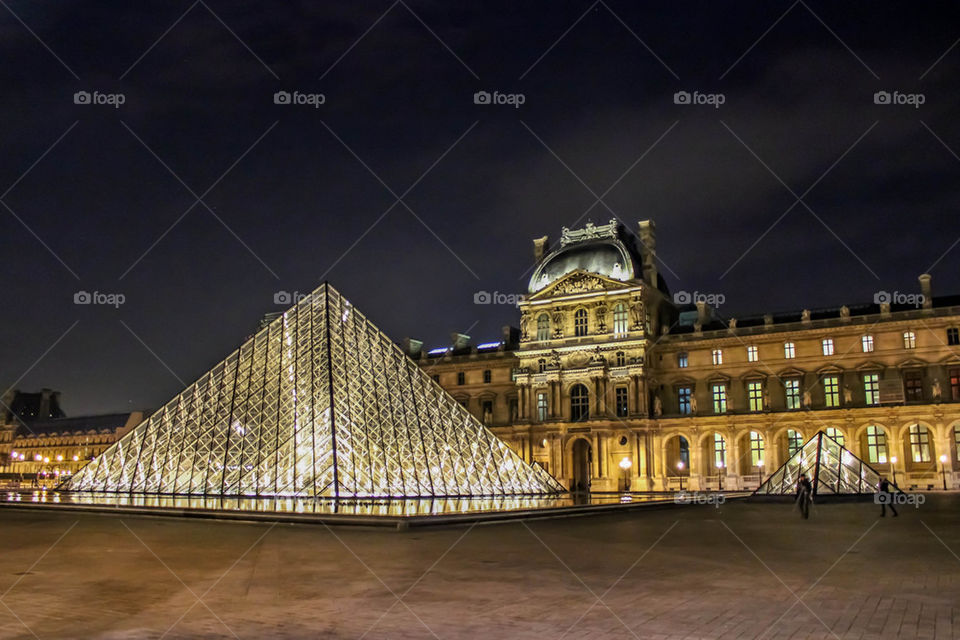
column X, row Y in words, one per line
column 613, row 383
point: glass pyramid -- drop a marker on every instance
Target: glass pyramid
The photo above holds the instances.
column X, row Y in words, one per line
column 318, row 403
column 830, row 468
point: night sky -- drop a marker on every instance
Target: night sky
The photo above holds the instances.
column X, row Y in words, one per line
column 99, row 197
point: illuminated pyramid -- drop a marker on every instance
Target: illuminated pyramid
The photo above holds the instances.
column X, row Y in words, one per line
column 830, row 468
column 318, row 403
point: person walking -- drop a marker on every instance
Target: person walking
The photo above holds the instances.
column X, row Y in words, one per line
column 804, row 496
column 885, row 497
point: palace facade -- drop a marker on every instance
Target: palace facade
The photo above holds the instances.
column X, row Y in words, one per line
column 612, row 383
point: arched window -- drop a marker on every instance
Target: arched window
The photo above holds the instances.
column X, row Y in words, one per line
column 876, row 445
column 719, row 451
column 756, row 449
column 579, row 403
column 543, row 326
column 919, row 443
column 621, row 358
column 580, row 322
column 836, row 434
column 794, row 442
column 620, row 319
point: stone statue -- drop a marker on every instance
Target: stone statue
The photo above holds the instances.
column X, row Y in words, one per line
column 601, row 311
column 935, row 390
column 693, row 404
column 636, row 314
column 847, row 395
column 657, row 406
column 524, row 321
column 732, row 324
column 766, row 398
column 807, row 401
column 844, row 312
column 805, row 316
column 557, row 323
column 555, row 359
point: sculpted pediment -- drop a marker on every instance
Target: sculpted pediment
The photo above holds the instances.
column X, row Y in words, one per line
column 579, row 281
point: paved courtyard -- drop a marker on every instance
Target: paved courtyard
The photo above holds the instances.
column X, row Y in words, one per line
column 741, row 571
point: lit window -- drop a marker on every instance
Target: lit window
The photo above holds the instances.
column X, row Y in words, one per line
column 956, row 441
column 621, row 358
column 621, row 400
column 682, row 360
column 753, row 353
column 541, row 406
column 719, row 451
column 579, row 403
column 919, row 443
column 794, row 441
column 789, row 350
column 909, row 340
column 755, row 395
column 831, row 391
column 871, row 388
column 486, row 376
column 791, row 387
column 620, row 319
column 461, row 378
column 720, row 398
column 867, row 343
column 580, row 322
column 913, row 385
column 718, row 356
column 756, row 448
column 827, row 346
column 487, row 411
column 543, row 326
column 955, row 384
column 876, row 445
column 836, row 434
column 953, row 336
column 683, row 399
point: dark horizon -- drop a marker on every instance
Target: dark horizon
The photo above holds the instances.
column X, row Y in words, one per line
column 203, row 195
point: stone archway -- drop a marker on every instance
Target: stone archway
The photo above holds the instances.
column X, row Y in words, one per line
column 582, row 459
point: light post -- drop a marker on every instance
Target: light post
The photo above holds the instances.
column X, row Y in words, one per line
column 680, row 473
column 625, row 465
column 760, row 472
column 720, row 474
column 943, row 470
column 893, row 467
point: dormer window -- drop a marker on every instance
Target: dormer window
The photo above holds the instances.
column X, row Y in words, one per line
column 580, row 326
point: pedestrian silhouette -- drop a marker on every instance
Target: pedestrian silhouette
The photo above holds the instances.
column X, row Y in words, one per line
column 885, row 498
column 804, row 496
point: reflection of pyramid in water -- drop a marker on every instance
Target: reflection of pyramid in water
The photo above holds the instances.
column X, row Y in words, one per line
column 317, row 403
column 830, row 468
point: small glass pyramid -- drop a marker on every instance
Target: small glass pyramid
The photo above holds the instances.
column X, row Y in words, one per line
column 830, row 468
column 318, row 403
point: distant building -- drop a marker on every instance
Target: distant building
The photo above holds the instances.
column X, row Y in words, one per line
column 615, row 382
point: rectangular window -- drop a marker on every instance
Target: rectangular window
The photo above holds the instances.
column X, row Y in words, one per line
column 953, row 336
column 876, row 445
column 487, row 412
column 682, row 360
column 955, row 384
column 718, row 356
column 755, row 395
column 791, row 387
column 486, row 376
column 913, row 385
column 789, row 350
column 753, row 353
column 461, row 378
column 720, row 398
column 836, row 434
column 867, row 343
column 541, row 406
column 756, row 449
column 794, row 442
column 909, row 340
column 919, row 443
column 683, row 400
column 871, row 388
column 831, row 391
column 623, row 408
column 827, row 346
column 956, row 441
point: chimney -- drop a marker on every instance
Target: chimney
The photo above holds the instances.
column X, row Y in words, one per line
column 412, row 347
column 924, row 279
column 509, row 337
column 459, row 340
column 44, row 410
column 540, row 247
column 703, row 313
column 647, row 233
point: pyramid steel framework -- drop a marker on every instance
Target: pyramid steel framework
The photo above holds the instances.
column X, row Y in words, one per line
column 830, row 467
column 319, row 403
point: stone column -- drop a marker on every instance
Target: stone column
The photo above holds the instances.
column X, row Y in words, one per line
column 595, row 472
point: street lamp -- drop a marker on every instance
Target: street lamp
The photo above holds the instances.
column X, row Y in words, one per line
column 680, row 473
column 720, row 473
column 760, row 470
column 943, row 470
column 625, row 464
column 893, row 467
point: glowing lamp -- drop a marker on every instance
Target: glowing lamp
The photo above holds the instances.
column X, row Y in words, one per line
column 943, row 458
column 59, row 458
column 680, row 465
column 626, row 463
column 38, row 457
